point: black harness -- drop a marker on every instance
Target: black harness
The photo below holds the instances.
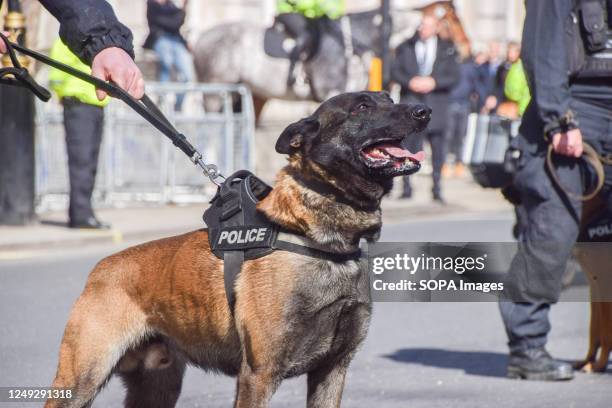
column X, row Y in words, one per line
column 237, row 231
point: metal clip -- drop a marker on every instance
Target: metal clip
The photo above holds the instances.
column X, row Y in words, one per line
column 210, row 170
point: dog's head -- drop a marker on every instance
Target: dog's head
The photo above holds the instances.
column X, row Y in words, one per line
column 356, row 139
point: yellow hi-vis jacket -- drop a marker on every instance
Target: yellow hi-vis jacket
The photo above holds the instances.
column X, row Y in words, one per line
column 65, row 85
column 333, row 9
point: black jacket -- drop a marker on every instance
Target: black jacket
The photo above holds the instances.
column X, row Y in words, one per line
column 163, row 19
column 89, row 26
column 544, row 56
column 445, row 72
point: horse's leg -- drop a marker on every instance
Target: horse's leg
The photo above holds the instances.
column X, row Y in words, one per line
column 258, row 105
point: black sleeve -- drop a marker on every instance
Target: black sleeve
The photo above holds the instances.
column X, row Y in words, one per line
column 448, row 75
column 89, row 26
column 169, row 19
column 545, row 59
column 400, row 68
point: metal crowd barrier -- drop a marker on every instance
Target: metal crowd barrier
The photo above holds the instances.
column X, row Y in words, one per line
column 137, row 163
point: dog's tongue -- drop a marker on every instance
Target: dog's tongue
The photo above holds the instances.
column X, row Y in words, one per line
column 400, row 153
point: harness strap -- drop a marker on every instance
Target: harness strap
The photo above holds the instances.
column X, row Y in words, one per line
column 285, row 241
column 232, row 264
column 593, row 158
column 304, row 246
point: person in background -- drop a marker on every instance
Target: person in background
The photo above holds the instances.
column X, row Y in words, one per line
column 83, row 124
column 516, row 87
column 488, row 60
column 496, row 96
column 296, row 17
column 426, row 67
column 461, row 99
column 481, row 60
column 91, row 30
column 165, row 20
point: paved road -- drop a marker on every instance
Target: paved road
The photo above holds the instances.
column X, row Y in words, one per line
column 416, row 354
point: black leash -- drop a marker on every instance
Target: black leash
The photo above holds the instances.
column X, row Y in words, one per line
column 20, row 75
column 593, row 158
column 145, row 107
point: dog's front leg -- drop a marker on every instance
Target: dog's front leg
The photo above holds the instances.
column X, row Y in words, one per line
column 325, row 385
column 255, row 387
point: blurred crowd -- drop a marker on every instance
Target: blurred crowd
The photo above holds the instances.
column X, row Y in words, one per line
column 455, row 81
column 433, row 67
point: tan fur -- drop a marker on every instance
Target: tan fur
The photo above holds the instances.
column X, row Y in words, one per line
column 311, row 213
column 596, row 260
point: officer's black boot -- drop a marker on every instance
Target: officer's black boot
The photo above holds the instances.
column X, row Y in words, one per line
column 537, row 364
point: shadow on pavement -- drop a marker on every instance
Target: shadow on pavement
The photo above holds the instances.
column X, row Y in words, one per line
column 54, row 223
column 482, row 363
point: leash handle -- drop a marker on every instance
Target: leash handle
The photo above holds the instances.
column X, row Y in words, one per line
column 21, row 76
column 591, row 156
column 145, row 107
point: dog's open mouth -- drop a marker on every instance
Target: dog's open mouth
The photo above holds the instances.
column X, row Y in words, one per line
column 391, row 158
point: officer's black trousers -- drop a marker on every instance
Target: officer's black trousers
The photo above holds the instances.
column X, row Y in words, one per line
column 84, row 125
column 551, row 227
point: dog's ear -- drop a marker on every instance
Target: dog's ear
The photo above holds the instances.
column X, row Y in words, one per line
column 294, row 136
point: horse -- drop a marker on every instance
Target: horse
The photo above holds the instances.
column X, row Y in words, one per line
column 451, row 27
column 234, row 53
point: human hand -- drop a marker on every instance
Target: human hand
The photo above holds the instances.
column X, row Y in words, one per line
column 428, row 84
column 421, row 84
column 490, row 104
column 568, row 144
column 114, row 64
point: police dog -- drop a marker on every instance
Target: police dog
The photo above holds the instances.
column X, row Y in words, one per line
column 596, row 260
column 148, row 311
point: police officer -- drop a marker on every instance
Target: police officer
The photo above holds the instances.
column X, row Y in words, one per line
column 83, row 124
column 567, row 49
column 296, row 17
column 91, row 30
column 93, row 33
